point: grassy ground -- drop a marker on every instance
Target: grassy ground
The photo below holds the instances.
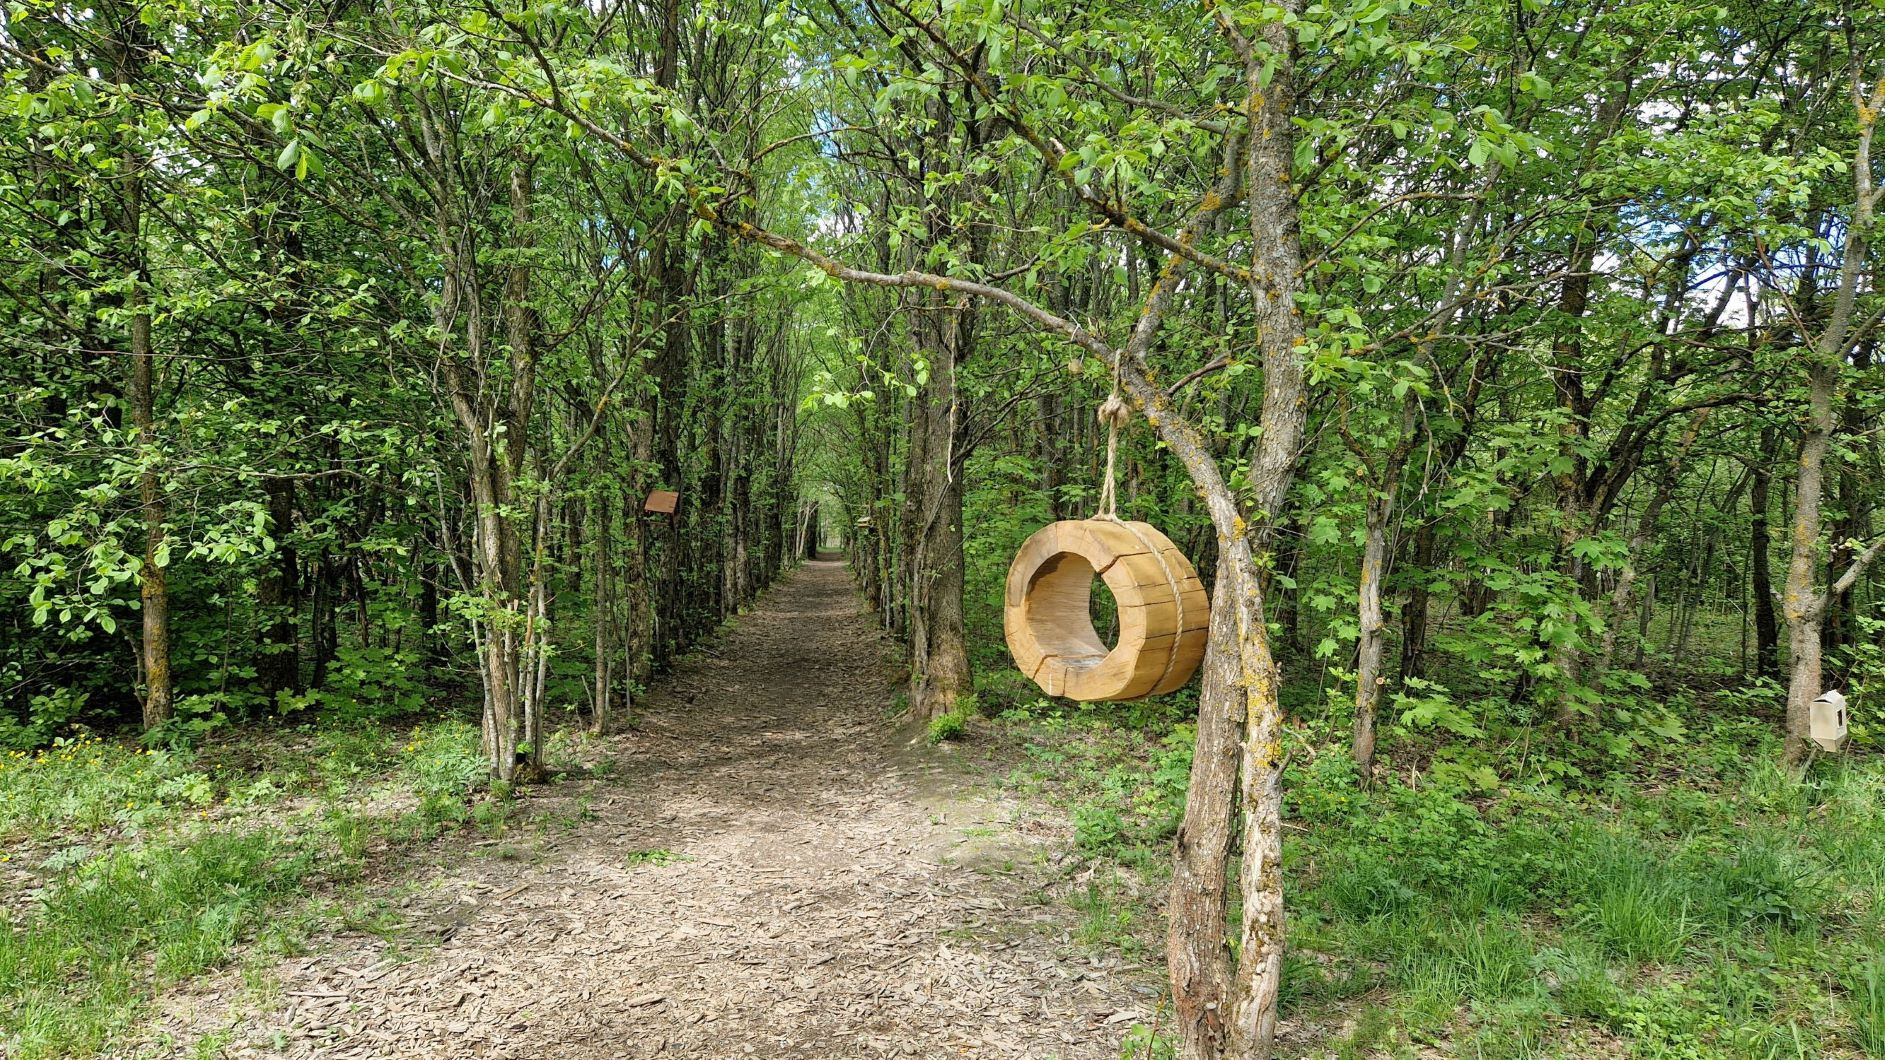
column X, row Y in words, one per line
column 124, row 870
column 1668, row 892
column 1687, row 900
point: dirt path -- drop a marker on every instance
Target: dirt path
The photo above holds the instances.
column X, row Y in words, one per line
column 767, row 871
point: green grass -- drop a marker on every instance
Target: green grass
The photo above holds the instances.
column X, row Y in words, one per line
column 1692, row 902
column 153, row 866
column 112, row 930
column 1108, row 914
column 91, row 785
column 1865, row 992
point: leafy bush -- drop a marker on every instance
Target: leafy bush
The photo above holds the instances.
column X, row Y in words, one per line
column 1098, row 828
column 447, row 764
column 952, row 725
column 368, row 682
column 1866, row 662
column 47, row 714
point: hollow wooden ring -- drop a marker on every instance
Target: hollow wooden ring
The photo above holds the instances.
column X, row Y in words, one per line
column 1164, row 612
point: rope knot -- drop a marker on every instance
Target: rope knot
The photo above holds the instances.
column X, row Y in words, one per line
column 1114, row 413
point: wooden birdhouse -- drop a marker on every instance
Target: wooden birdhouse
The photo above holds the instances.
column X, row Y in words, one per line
column 663, row 501
column 1828, row 726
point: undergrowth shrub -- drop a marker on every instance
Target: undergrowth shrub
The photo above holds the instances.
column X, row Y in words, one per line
column 1762, row 880
column 1098, row 829
column 84, row 784
column 447, row 765
column 952, row 726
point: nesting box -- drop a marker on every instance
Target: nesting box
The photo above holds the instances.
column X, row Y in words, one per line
column 663, row 501
column 1163, row 611
column 1829, row 720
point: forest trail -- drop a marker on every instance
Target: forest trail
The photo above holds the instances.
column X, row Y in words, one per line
column 765, row 869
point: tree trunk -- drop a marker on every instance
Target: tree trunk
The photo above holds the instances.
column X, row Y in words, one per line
column 1805, row 605
column 1371, row 619
column 127, row 48
column 1259, row 970
column 1368, row 676
column 939, row 654
column 601, row 607
column 276, row 593
column 1276, row 277
column 1195, row 950
column 153, row 580
column 1419, row 600
column 1840, row 625
column 1760, row 549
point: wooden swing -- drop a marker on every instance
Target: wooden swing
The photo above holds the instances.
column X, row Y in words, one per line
column 1164, row 612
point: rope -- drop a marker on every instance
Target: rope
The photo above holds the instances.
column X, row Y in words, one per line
column 1114, row 413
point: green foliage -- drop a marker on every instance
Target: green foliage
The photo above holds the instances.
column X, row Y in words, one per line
column 88, row 784
column 158, row 864
column 368, row 682
column 47, row 713
column 1107, row 912
column 1637, row 914
column 1563, row 291
column 1145, row 1043
column 1865, row 666
column 952, row 725
column 1098, row 829
column 446, row 765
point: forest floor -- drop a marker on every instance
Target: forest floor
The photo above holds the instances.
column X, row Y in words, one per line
column 765, row 865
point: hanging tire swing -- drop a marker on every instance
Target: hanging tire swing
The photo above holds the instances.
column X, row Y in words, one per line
column 1164, row 612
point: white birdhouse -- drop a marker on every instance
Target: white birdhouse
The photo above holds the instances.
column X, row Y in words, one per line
column 1829, row 720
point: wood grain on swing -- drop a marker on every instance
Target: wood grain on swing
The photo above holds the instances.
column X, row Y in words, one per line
column 1163, row 611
